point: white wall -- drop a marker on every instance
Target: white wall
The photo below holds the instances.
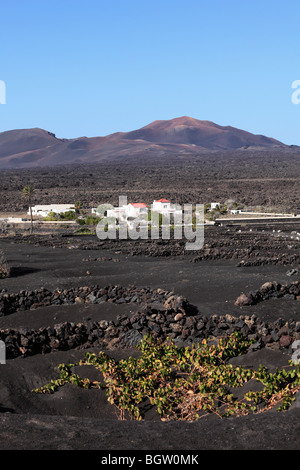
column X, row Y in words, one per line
column 43, row 211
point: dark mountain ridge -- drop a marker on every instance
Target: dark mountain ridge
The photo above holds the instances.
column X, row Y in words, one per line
column 25, row 148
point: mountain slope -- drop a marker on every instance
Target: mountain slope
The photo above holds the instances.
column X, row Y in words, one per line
column 189, row 131
column 37, row 147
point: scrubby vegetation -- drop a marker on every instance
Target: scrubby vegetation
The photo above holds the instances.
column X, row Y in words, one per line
column 84, row 231
column 89, row 220
column 212, row 214
column 53, row 217
column 183, row 383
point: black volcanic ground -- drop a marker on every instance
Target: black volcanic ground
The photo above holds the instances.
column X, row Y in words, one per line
column 80, row 419
column 74, row 418
column 254, row 178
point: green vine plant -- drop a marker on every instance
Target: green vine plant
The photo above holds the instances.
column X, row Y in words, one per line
column 183, row 383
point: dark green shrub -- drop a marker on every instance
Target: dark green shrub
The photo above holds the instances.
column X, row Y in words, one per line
column 80, row 221
column 69, row 215
column 91, row 220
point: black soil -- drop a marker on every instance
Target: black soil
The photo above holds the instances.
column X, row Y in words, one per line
column 74, row 418
column 235, row 259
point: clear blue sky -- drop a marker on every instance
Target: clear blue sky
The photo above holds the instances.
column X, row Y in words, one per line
column 95, row 67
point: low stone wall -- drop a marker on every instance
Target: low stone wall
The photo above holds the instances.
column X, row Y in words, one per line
column 170, row 320
column 270, row 290
column 25, row 300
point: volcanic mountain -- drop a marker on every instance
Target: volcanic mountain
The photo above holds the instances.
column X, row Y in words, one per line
column 23, row 148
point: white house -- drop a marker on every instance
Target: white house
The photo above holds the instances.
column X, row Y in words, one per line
column 161, row 205
column 44, row 210
column 136, row 209
column 164, row 207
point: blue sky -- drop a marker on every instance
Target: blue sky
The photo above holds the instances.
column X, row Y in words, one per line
column 100, row 66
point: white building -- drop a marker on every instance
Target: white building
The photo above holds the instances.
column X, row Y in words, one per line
column 140, row 209
column 161, row 205
column 134, row 209
column 214, row 205
column 164, row 207
column 44, row 210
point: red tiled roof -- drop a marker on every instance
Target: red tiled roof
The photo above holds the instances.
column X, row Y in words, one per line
column 162, row 200
column 138, row 204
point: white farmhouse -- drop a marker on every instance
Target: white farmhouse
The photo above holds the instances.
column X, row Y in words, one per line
column 161, row 205
column 136, row 209
column 44, row 210
column 164, row 207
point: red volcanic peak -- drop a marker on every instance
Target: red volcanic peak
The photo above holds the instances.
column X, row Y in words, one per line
column 23, row 148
